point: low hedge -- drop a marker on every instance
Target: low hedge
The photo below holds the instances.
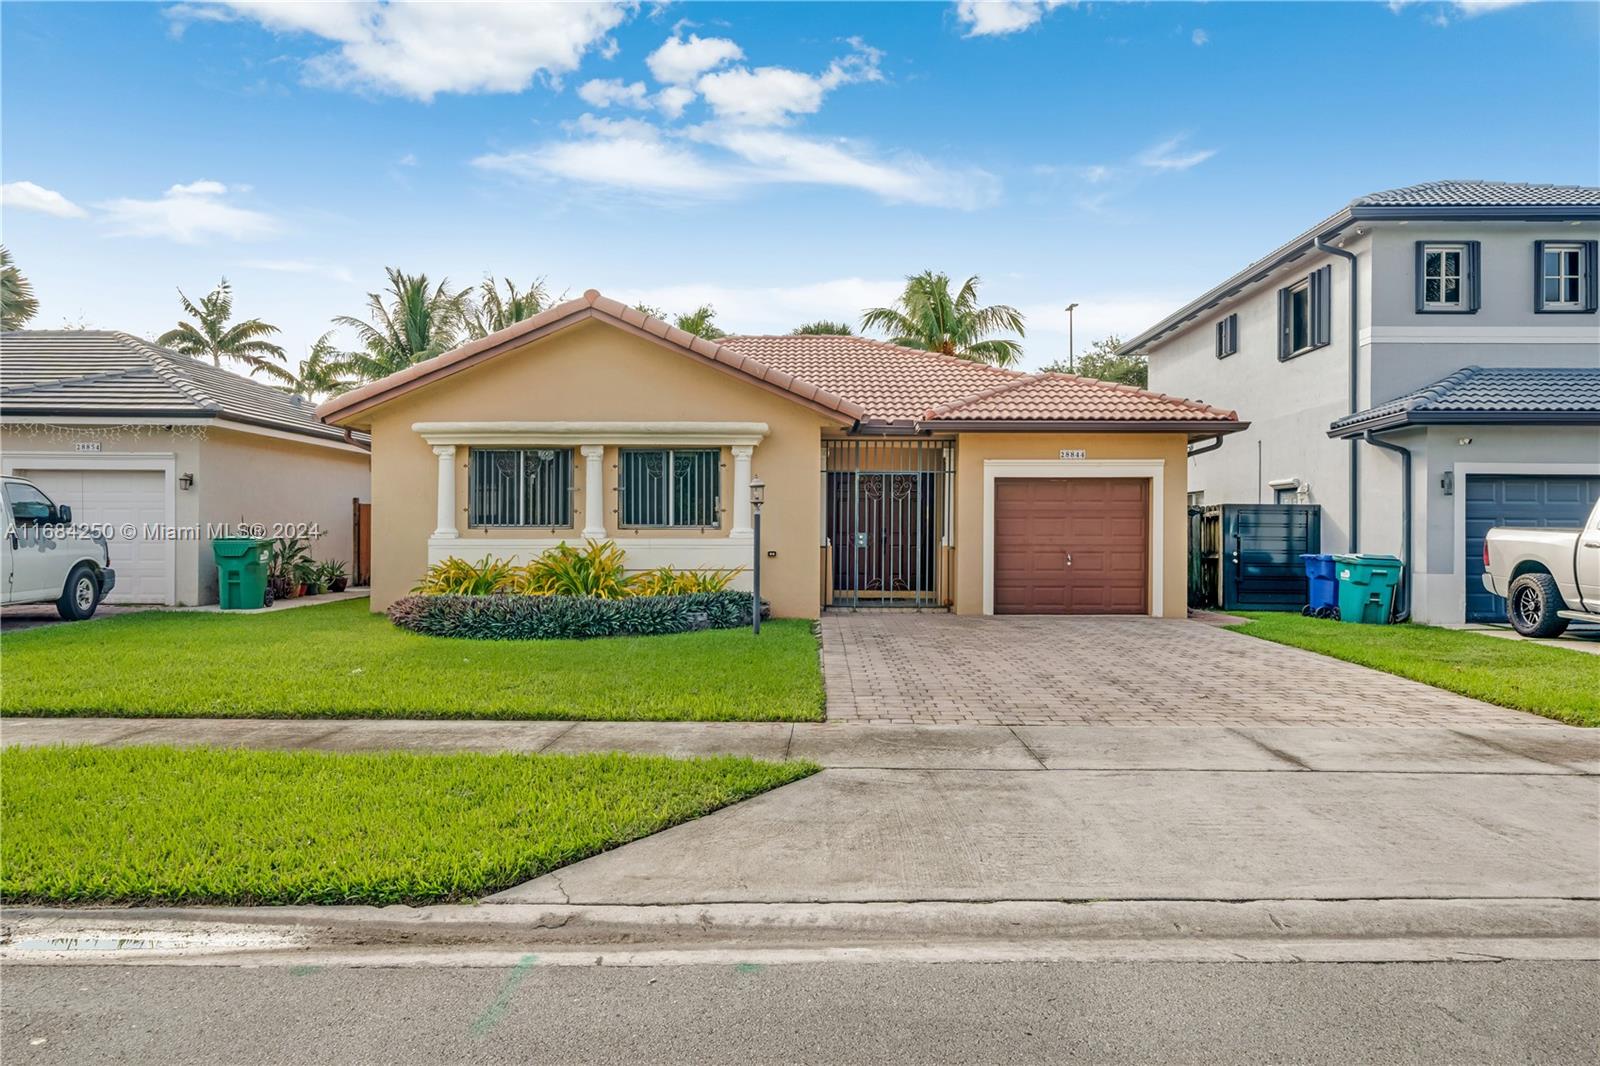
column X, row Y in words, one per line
column 516, row 617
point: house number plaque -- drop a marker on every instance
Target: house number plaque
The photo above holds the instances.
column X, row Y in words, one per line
column 1074, row 453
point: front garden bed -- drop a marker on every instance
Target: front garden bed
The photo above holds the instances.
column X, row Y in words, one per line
column 339, row 660
column 167, row 826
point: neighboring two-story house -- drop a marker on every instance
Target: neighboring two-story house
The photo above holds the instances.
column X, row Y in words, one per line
column 1448, row 329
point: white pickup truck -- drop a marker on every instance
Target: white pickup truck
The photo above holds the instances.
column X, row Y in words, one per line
column 1549, row 577
column 43, row 559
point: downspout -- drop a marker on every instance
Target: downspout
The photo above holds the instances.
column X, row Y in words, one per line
column 1402, row 611
column 1209, row 446
column 1355, row 352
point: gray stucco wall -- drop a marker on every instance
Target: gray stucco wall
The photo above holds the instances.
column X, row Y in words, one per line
column 1290, row 404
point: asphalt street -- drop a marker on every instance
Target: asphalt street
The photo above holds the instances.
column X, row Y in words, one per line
column 1543, row 1012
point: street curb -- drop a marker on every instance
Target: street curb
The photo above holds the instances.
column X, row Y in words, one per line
column 1413, row 930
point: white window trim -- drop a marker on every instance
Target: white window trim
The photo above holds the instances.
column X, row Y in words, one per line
column 1561, row 248
column 1152, row 469
column 165, row 462
column 1303, row 285
column 571, row 434
column 1461, row 275
column 669, row 453
column 572, row 475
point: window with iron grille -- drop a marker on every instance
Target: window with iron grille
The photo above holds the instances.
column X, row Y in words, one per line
column 520, row 487
column 670, row 487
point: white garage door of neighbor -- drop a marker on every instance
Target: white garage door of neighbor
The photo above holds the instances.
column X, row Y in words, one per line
column 116, row 498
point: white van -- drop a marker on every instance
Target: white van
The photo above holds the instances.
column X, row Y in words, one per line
column 44, row 560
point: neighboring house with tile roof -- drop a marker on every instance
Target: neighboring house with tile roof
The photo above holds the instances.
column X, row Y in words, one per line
column 1465, row 293
column 893, row 477
column 130, row 434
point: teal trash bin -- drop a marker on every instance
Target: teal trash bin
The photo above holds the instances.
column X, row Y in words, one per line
column 1366, row 587
column 241, row 572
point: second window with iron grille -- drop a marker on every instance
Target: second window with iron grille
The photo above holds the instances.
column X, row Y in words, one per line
column 520, row 487
column 669, row 488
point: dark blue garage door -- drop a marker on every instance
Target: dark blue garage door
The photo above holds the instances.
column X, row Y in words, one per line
column 1507, row 500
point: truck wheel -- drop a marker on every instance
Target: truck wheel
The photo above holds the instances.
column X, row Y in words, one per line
column 80, row 596
column 1532, row 605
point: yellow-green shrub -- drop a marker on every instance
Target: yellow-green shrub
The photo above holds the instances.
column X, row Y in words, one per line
column 458, row 577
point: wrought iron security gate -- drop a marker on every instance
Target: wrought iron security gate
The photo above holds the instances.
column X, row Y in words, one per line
column 888, row 507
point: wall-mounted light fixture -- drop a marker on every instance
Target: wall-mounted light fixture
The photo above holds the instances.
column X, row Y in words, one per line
column 1447, row 483
column 186, row 482
column 1463, row 441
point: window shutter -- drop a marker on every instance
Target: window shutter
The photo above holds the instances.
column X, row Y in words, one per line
column 1538, row 275
column 1285, row 345
column 1591, row 280
column 1474, row 262
column 1322, row 307
column 1421, row 304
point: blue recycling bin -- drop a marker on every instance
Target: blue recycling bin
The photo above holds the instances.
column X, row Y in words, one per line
column 1322, row 578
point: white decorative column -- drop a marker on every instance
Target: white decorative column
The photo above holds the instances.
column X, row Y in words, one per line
column 447, row 490
column 594, row 498
column 741, row 492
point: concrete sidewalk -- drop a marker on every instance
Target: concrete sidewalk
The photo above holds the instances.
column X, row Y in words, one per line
column 1538, row 748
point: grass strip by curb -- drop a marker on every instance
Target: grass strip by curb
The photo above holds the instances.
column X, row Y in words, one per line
column 158, row 825
column 1552, row 682
column 339, row 660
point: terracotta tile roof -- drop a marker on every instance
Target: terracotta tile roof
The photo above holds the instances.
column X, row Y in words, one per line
column 1070, row 398
column 590, row 305
column 855, row 379
column 892, row 383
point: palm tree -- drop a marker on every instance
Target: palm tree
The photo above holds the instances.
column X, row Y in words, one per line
column 492, row 311
column 927, row 316
column 418, row 322
column 17, row 302
column 699, row 322
column 823, row 326
column 212, row 335
column 320, row 373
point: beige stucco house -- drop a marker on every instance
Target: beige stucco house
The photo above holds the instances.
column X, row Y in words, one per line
column 162, row 450
column 894, row 477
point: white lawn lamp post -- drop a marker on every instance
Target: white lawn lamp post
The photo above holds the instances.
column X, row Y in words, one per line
column 758, row 496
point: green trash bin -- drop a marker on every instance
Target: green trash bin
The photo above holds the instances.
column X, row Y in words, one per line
column 241, row 572
column 1366, row 587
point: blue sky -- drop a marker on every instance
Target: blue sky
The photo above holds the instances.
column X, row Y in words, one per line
column 784, row 161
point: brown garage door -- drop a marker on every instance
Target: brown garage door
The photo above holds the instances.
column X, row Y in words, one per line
column 1071, row 545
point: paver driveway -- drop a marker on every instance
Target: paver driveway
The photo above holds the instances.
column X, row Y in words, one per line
column 918, row 668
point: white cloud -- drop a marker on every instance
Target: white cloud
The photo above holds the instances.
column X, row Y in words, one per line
column 787, row 158
column 769, row 96
column 187, row 214
column 1170, row 155
column 422, row 49
column 407, row 160
column 626, row 154
column 680, row 61
column 1474, row 8
column 26, row 196
column 1200, row 38
column 300, row 266
column 673, row 99
column 993, row 18
column 716, row 161
column 604, row 92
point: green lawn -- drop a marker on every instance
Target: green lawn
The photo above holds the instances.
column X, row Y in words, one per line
column 338, row 660
column 162, row 825
column 1553, row 682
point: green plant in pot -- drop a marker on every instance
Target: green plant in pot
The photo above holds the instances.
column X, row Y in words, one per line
column 287, row 565
column 335, row 576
